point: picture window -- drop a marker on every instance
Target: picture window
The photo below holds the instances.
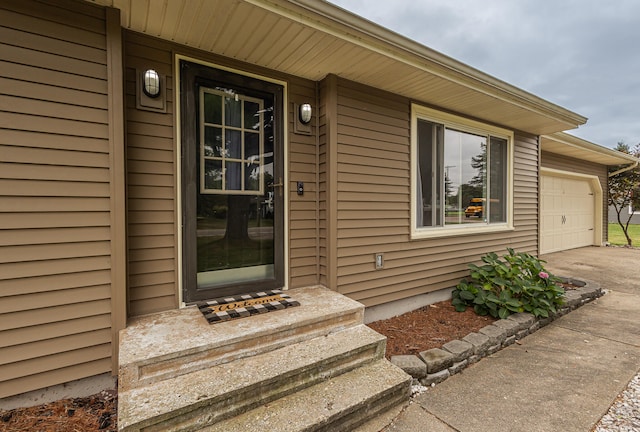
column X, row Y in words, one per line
column 461, row 173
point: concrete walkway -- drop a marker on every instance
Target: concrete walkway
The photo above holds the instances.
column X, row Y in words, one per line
column 564, row 377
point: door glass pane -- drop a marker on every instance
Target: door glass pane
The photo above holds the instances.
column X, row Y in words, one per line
column 212, row 141
column 234, row 144
column 236, row 148
column 236, row 205
column 233, row 234
column 232, row 112
column 252, row 177
column 212, row 108
column 233, row 175
column 213, row 174
column 251, row 146
column 251, row 115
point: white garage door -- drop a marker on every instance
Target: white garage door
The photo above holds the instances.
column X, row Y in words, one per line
column 567, row 213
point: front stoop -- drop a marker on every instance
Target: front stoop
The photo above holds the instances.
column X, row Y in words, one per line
column 314, row 367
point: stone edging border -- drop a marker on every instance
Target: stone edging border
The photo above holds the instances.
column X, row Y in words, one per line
column 437, row 364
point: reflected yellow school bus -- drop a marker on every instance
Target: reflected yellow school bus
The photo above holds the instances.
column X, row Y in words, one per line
column 476, row 207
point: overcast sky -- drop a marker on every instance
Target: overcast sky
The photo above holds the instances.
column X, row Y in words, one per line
column 583, row 55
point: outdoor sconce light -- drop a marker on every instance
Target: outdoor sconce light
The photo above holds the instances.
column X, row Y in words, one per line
column 305, row 113
column 151, row 83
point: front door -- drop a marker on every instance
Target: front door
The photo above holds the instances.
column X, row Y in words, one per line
column 232, row 183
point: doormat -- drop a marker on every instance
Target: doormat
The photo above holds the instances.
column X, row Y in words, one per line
column 245, row 305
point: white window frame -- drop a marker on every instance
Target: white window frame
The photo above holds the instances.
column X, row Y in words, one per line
column 450, row 121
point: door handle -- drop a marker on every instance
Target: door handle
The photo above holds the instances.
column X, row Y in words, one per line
column 280, row 184
column 275, row 185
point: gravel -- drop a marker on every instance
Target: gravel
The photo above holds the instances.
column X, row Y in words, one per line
column 624, row 414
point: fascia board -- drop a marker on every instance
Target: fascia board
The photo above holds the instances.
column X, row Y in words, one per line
column 347, row 26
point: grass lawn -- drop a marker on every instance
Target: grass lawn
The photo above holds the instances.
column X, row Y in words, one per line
column 217, row 254
column 616, row 236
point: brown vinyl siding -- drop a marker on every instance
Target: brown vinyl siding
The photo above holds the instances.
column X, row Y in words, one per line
column 151, row 191
column 323, row 138
column 525, row 194
column 55, row 235
column 569, row 164
column 303, row 210
column 328, row 162
column 372, row 203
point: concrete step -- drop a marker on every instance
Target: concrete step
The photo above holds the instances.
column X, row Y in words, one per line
column 206, row 396
column 173, row 343
column 340, row 404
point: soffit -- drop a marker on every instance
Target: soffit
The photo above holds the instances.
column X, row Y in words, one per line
column 313, row 38
column 571, row 146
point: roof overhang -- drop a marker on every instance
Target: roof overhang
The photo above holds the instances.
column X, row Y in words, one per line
column 571, row 146
column 314, row 38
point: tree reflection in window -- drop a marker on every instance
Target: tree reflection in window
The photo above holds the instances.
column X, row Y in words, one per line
column 232, row 131
column 462, row 176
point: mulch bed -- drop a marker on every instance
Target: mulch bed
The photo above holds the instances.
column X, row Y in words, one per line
column 428, row 327
column 432, row 326
column 97, row 413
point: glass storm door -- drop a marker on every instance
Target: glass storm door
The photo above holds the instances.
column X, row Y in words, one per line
column 232, row 191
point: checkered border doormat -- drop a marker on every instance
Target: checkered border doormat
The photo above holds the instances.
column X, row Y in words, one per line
column 237, row 310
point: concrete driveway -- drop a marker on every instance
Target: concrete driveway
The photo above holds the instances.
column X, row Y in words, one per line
column 613, row 268
column 564, row 377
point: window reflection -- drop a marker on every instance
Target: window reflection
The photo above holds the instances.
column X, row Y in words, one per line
column 461, row 177
column 465, row 173
column 234, row 129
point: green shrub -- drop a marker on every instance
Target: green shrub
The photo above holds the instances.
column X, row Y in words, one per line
column 516, row 283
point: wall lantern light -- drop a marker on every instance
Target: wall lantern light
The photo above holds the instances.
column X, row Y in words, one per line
column 151, row 83
column 305, row 113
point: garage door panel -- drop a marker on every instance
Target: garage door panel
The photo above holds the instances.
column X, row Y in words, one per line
column 567, row 213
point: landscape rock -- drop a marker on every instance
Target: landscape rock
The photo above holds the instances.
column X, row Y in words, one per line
column 411, row 365
column 459, row 349
column 479, row 341
column 436, row 360
column 544, row 321
column 495, row 334
column 509, row 341
column 474, row 359
column 572, row 299
column 457, row 367
column 510, row 326
column 435, row 378
column 524, row 319
column 494, row 349
column 534, row 327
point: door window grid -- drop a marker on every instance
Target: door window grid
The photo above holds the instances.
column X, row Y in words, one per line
column 227, row 165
